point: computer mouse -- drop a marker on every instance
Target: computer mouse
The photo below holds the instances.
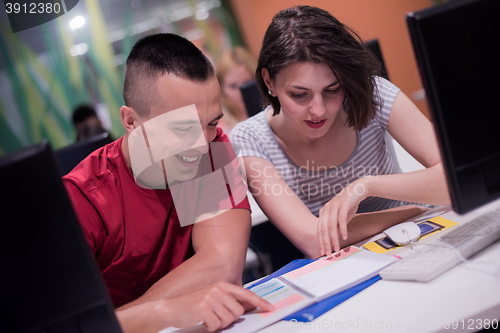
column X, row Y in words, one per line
column 403, row 233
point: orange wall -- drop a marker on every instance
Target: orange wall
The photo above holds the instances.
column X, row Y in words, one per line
column 382, row 19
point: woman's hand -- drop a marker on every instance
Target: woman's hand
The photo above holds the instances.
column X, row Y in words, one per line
column 336, row 214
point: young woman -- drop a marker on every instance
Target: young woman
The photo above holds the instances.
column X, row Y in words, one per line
column 235, row 67
column 316, row 159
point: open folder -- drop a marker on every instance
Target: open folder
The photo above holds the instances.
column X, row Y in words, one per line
column 301, row 284
column 315, row 310
column 325, row 282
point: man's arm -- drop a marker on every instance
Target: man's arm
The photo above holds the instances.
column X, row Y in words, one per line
column 216, row 306
column 220, row 245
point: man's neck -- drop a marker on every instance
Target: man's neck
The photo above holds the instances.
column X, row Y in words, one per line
column 125, row 151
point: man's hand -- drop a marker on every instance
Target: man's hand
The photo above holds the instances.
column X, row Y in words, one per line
column 216, row 306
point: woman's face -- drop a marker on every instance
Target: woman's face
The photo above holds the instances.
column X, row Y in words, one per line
column 310, row 95
column 231, row 86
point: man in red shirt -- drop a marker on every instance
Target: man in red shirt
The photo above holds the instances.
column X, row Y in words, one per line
column 149, row 259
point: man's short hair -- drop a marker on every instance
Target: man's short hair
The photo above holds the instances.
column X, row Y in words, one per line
column 156, row 55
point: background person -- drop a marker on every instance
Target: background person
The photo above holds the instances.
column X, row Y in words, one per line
column 86, row 122
column 234, row 68
column 317, row 157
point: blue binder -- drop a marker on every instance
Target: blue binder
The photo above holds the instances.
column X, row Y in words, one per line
column 317, row 309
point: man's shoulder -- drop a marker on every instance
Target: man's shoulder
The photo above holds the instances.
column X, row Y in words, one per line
column 220, row 136
column 97, row 168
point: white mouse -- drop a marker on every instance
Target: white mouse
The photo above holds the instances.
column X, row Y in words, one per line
column 403, row 233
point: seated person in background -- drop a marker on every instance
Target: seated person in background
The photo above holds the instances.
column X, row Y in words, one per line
column 154, row 268
column 234, row 68
column 316, row 157
column 86, row 122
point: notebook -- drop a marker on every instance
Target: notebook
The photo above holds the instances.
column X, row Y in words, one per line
column 309, row 284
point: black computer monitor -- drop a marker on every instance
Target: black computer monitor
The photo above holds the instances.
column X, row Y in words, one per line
column 69, row 157
column 251, row 98
column 456, row 49
column 49, row 281
column 374, row 46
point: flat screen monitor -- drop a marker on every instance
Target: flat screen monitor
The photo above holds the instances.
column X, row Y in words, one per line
column 251, row 98
column 49, row 282
column 69, row 157
column 374, row 46
column 456, row 47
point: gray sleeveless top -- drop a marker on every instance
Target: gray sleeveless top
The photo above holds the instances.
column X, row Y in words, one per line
column 317, row 185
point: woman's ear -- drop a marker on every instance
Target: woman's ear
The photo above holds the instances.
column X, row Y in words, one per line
column 129, row 118
column 269, row 83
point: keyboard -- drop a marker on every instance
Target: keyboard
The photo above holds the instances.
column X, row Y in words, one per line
column 434, row 258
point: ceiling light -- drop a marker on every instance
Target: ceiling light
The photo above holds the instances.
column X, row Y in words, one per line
column 201, row 14
column 78, row 49
column 77, row 22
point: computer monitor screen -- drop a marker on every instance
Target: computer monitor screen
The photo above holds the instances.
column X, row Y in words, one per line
column 456, row 49
column 69, row 157
column 49, row 282
column 251, row 98
column 374, row 46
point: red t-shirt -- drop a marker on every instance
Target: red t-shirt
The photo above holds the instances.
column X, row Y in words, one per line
column 133, row 232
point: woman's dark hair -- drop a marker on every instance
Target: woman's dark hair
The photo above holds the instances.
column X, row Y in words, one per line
column 310, row 34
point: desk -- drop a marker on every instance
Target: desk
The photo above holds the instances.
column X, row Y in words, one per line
column 399, row 306
column 415, row 307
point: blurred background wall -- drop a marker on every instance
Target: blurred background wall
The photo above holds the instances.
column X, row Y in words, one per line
column 46, row 71
column 381, row 19
column 79, row 57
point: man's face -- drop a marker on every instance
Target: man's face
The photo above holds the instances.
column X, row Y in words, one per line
column 180, row 126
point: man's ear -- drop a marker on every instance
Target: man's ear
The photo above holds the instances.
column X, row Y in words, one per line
column 268, row 81
column 129, row 118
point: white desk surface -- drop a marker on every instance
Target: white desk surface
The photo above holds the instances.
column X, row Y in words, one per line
column 396, row 306
column 258, row 215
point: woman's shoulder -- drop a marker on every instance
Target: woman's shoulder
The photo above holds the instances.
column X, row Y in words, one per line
column 254, row 137
column 385, row 92
column 385, row 89
column 255, row 126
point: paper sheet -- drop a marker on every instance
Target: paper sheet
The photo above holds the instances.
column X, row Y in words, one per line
column 329, row 277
